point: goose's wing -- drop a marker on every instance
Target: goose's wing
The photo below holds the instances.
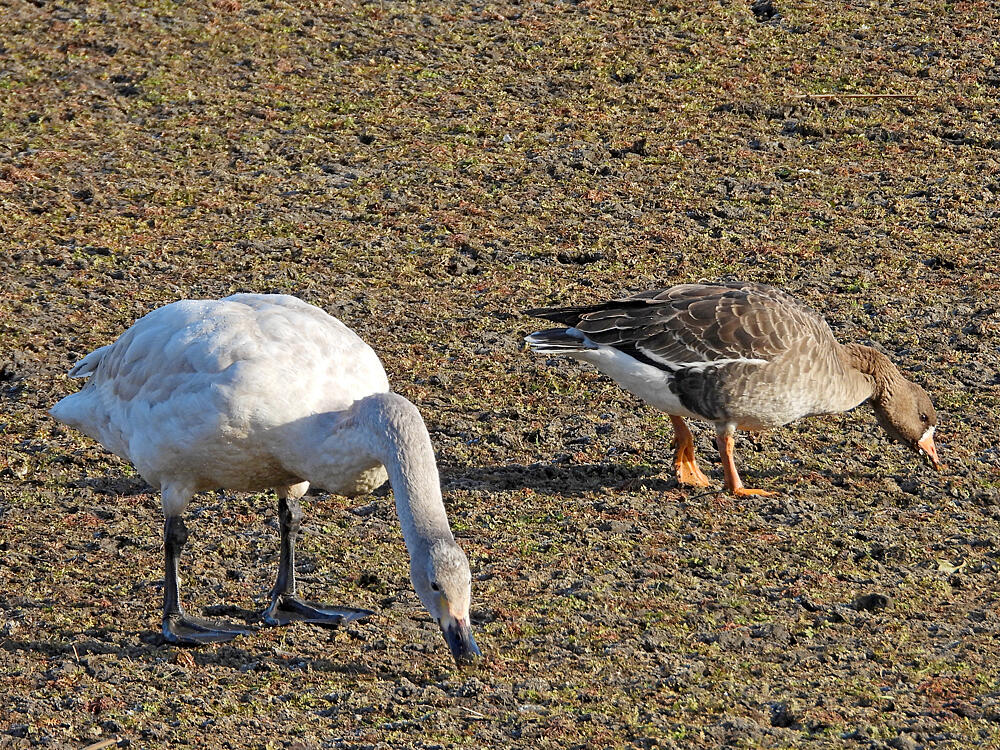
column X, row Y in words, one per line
column 694, row 324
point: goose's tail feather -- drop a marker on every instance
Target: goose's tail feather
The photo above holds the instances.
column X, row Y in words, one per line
column 558, row 341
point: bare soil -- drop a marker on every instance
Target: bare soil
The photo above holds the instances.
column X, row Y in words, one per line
column 425, row 171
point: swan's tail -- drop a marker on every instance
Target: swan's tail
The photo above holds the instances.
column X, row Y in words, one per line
column 558, row 341
column 77, row 409
column 88, row 365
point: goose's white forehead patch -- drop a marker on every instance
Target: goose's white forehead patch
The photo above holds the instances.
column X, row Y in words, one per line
column 928, row 433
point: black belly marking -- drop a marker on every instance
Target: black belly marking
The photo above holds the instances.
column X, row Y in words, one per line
column 700, row 391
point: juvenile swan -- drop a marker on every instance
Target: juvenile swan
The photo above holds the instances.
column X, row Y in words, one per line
column 740, row 355
column 256, row 391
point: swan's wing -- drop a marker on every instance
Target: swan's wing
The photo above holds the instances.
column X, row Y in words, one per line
column 200, row 373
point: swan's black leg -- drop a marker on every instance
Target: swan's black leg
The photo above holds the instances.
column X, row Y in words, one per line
column 178, row 626
column 286, row 606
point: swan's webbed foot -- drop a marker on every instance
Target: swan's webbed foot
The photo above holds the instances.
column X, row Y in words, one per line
column 288, row 608
column 178, row 626
column 183, row 629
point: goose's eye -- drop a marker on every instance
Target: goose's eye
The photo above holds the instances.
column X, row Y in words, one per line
column 434, row 586
column 924, row 418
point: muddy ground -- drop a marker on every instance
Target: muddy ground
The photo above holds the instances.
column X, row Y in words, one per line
column 425, row 171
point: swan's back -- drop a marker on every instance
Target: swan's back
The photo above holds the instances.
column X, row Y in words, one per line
column 229, row 372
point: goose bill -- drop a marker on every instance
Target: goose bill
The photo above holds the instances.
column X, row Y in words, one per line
column 926, row 444
column 458, row 634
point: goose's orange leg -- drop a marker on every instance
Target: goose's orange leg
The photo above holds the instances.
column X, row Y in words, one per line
column 685, row 465
column 724, row 438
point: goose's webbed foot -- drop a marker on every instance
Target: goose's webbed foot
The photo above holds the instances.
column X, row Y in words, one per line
column 747, row 492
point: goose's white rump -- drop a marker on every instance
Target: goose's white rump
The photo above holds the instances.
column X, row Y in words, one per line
column 229, row 388
column 256, row 391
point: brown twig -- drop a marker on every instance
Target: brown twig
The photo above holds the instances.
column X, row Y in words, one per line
column 855, row 96
column 102, row 744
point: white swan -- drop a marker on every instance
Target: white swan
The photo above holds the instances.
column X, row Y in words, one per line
column 256, row 391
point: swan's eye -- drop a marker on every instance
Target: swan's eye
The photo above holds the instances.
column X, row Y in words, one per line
column 434, row 586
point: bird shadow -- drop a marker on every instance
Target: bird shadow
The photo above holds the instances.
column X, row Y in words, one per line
column 150, row 647
column 555, row 478
column 114, row 484
column 580, row 479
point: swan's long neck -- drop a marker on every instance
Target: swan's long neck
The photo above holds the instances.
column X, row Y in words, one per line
column 874, row 376
column 396, row 436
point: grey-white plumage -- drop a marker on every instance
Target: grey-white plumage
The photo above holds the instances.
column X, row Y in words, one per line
column 740, row 355
column 259, row 391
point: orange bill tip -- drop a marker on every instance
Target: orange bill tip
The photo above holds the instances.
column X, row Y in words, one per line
column 926, row 444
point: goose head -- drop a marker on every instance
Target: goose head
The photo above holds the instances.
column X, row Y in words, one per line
column 907, row 415
column 444, row 584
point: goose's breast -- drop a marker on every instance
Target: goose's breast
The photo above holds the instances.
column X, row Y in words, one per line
column 774, row 394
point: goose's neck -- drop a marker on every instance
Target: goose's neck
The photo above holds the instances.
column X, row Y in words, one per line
column 396, row 436
column 874, row 375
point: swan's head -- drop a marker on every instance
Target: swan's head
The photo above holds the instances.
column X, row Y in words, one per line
column 444, row 584
column 908, row 416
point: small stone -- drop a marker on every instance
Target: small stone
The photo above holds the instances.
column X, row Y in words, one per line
column 459, row 265
column 871, row 602
column 784, row 715
column 775, row 632
column 737, row 638
column 808, row 604
column 763, row 10
column 903, row 742
column 532, row 686
column 965, row 710
column 655, row 640
column 615, row 527
column 406, row 688
column 742, row 728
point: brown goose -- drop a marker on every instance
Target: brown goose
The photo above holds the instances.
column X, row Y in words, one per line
column 740, row 355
